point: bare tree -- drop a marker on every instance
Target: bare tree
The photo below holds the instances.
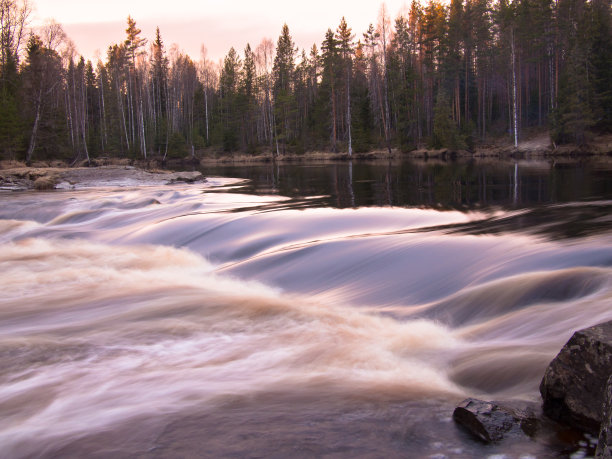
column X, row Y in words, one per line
column 264, row 59
column 14, row 15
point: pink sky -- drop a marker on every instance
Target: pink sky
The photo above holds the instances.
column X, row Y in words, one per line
column 216, row 24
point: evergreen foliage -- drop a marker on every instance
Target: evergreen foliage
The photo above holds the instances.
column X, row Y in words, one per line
column 445, row 130
column 441, row 74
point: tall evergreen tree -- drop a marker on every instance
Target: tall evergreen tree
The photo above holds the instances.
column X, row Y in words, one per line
column 248, row 101
column 345, row 38
column 159, row 89
column 42, row 78
column 284, row 101
column 332, row 75
column 229, row 85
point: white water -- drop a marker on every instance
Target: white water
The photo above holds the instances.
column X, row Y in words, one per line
column 156, row 302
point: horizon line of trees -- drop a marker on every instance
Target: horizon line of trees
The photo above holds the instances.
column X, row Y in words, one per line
column 439, row 75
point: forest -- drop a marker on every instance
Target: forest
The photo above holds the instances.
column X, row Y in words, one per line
column 451, row 75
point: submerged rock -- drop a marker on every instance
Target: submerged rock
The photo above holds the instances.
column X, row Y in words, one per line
column 604, row 446
column 493, row 421
column 574, row 384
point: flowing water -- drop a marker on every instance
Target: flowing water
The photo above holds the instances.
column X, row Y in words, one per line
column 337, row 310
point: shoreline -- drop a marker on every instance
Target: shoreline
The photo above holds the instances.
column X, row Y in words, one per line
column 41, row 177
column 108, row 171
column 538, row 147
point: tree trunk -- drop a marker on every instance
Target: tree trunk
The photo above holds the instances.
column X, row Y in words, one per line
column 69, row 117
column 34, row 130
column 120, row 102
column 206, row 111
column 514, row 107
column 333, row 101
column 103, row 116
column 539, row 94
column 348, row 110
column 84, row 117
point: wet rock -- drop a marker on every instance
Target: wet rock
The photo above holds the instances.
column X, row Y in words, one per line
column 187, row 177
column 574, row 384
column 494, row 421
column 604, row 446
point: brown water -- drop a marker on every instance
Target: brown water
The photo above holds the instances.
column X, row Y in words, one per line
column 264, row 319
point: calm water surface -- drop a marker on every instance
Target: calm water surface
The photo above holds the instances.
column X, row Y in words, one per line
column 336, row 310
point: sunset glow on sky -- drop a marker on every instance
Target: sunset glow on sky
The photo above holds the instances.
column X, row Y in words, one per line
column 219, row 25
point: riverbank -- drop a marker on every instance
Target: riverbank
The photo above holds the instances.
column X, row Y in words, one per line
column 106, row 171
column 15, row 176
column 532, row 147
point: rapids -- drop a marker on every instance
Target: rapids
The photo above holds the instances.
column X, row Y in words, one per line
column 240, row 318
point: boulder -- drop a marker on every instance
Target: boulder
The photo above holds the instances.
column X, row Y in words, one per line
column 187, row 177
column 574, row 383
column 493, row 421
column 604, row 446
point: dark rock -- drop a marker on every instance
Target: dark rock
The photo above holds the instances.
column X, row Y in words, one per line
column 493, row 421
column 575, row 381
column 187, row 177
column 604, row 447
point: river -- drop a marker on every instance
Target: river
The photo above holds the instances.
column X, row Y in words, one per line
column 303, row 310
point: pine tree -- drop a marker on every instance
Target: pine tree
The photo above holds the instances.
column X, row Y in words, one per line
column 11, row 126
column 402, row 84
column 248, row 102
column 229, row 85
column 284, row 100
column 573, row 116
column 134, row 45
column 362, row 119
column 42, row 77
column 445, row 133
column 345, row 38
column 159, row 89
column 375, row 91
column 600, row 37
column 332, row 74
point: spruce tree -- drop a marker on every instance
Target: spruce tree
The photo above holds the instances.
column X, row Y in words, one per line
column 247, row 99
column 345, row 38
column 159, row 89
column 332, row 75
column 445, row 131
column 229, row 86
column 284, row 100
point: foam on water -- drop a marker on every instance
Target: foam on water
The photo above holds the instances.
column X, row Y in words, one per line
column 160, row 302
column 94, row 334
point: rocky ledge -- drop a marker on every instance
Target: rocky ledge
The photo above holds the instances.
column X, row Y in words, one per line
column 19, row 178
column 576, row 392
